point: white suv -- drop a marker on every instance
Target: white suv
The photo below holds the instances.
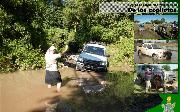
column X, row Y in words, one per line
column 154, row 51
column 92, row 57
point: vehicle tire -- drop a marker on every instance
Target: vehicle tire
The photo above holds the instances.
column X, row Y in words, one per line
column 105, row 70
column 168, row 56
column 77, row 68
column 139, row 53
column 157, row 82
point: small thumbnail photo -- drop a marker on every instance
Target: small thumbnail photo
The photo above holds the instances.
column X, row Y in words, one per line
column 156, row 26
column 156, row 51
column 156, row 78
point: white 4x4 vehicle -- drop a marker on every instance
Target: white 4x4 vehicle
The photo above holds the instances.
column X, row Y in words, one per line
column 92, row 57
column 153, row 50
column 170, row 75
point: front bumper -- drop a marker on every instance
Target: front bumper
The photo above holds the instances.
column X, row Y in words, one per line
column 90, row 65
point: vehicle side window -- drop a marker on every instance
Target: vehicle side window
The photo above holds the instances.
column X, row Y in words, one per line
column 144, row 45
column 143, row 68
column 139, row 68
column 149, row 46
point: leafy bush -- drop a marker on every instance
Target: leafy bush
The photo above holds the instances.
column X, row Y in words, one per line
column 35, row 25
column 121, row 52
column 20, row 55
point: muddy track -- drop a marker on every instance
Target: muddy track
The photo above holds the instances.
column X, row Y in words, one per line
column 25, row 91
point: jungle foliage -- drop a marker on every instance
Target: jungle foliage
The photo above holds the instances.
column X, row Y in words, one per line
column 29, row 27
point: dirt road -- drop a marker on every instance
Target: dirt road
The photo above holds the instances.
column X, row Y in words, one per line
column 25, row 91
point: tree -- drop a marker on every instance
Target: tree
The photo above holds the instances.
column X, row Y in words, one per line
column 37, row 24
column 136, row 21
column 163, row 20
column 166, row 67
column 175, row 69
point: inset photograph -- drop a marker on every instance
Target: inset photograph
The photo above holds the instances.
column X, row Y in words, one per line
column 156, row 26
column 156, row 78
column 156, row 51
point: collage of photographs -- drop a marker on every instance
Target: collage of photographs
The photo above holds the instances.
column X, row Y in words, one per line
column 156, row 53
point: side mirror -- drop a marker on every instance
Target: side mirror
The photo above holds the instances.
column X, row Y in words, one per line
column 107, row 55
column 80, row 50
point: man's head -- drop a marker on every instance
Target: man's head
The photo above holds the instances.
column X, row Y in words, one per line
column 52, row 49
column 147, row 69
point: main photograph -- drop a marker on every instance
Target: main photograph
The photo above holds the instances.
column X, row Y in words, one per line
column 67, row 56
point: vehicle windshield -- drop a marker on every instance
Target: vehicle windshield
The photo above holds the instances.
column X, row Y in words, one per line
column 141, row 26
column 94, row 50
column 155, row 46
column 156, row 69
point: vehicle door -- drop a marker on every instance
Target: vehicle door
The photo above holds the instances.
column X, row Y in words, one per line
column 149, row 50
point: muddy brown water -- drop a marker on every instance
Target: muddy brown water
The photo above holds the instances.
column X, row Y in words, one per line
column 147, row 34
column 25, row 91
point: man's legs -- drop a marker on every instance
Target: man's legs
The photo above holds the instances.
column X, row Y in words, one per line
column 49, row 86
column 148, row 85
column 58, row 86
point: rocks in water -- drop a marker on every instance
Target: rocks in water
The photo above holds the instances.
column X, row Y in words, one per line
column 90, row 86
column 73, row 57
column 93, row 88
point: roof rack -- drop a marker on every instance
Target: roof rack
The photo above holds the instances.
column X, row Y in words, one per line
column 94, row 42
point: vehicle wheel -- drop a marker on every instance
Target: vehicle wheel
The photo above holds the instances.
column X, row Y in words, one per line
column 77, row 68
column 105, row 69
column 168, row 56
column 157, row 82
column 139, row 53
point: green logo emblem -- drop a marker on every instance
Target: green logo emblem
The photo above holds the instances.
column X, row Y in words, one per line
column 168, row 107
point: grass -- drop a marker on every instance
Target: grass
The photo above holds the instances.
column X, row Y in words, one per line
column 117, row 97
column 121, row 55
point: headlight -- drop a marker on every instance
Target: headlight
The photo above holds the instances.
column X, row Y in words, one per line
column 103, row 63
column 80, row 59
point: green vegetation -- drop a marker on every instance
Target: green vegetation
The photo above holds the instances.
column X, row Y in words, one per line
column 158, row 21
column 166, row 67
column 121, row 52
column 114, row 95
column 28, row 28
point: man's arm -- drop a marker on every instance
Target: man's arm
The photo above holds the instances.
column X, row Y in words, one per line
column 65, row 50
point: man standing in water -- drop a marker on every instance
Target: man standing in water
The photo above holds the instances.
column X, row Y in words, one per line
column 148, row 75
column 53, row 76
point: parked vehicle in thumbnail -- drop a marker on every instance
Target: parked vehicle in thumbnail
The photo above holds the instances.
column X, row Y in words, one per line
column 170, row 75
column 156, row 70
column 154, row 51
